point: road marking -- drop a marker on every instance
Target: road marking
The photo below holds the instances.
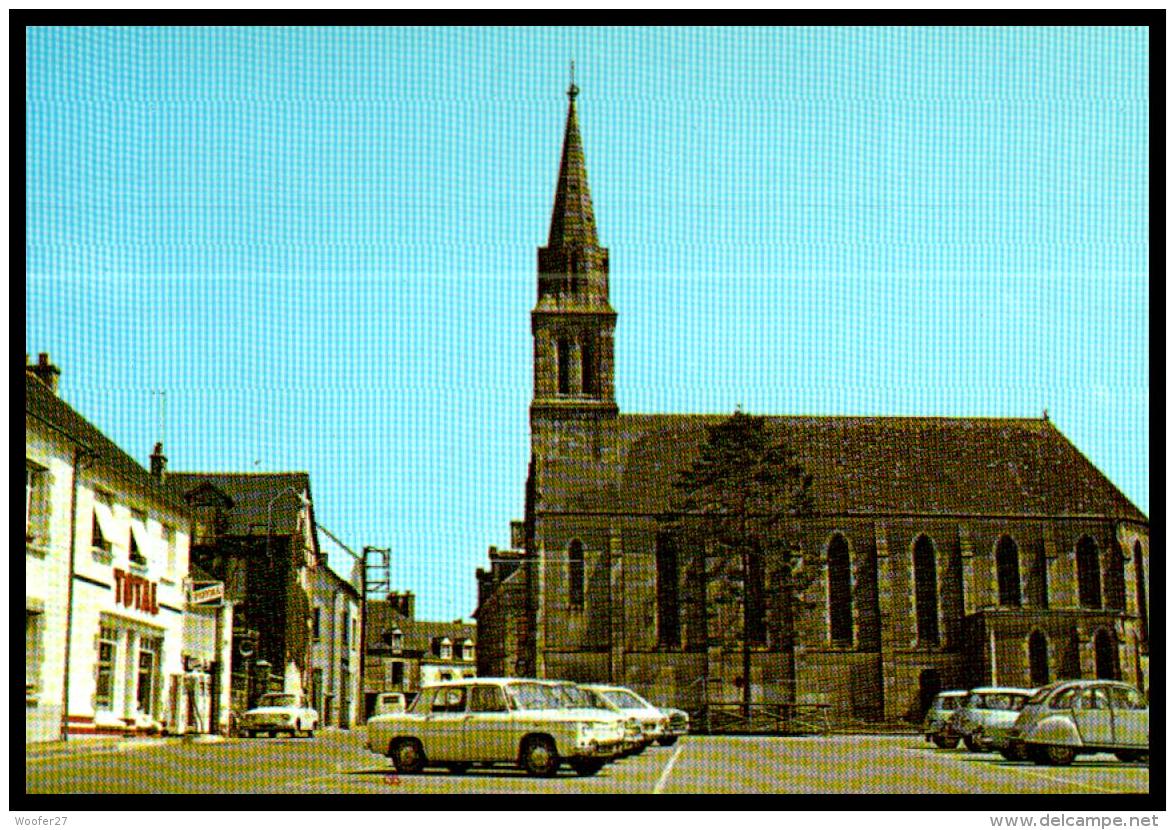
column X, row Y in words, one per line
column 665, row 774
column 1040, row 774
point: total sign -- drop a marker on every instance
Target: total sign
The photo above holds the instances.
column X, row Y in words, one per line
column 135, row 591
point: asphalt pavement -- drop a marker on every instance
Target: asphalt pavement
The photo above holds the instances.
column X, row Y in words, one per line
column 337, row 762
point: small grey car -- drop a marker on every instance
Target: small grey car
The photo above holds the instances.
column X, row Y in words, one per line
column 1072, row 717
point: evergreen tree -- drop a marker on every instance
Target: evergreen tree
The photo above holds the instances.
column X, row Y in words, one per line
column 740, row 492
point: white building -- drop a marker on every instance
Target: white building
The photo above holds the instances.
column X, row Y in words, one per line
column 104, row 628
column 335, row 652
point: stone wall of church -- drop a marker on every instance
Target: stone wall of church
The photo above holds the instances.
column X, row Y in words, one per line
column 887, row 670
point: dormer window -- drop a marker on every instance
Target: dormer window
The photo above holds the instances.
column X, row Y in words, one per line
column 446, row 649
column 467, row 649
column 397, row 639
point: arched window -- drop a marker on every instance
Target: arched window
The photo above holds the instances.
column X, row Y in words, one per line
column 1105, row 655
column 587, row 359
column 1038, row 659
column 1007, row 562
column 668, row 623
column 575, row 574
column 840, row 592
column 1116, row 578
column 926, row 591
column 563, row 358
column 1089, row 578
column 1140, row 588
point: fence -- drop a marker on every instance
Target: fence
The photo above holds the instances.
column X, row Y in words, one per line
column 762, row 719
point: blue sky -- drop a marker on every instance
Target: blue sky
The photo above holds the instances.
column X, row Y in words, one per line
column 321, row 244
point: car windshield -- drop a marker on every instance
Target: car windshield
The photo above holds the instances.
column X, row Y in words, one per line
column 278, row 700
column 951, row 702
column 997, row 701
column 624, row 699
column 574, row 697
column 533, row 696
column 1040, row 696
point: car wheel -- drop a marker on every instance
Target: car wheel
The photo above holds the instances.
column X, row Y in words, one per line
column 310, row 733
column 586, row 766
column 408, row 755
column 1013, row 753
column 539, row 756
column 943, row 742
column 670, row 741
column 1129, row 755
column 972, row 744
column 458, row 768
column 1054, row 756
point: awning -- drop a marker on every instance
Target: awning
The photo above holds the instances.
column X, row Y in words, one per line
column 106, row 522
column 143, row 540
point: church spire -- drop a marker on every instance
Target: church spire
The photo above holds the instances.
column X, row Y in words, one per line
column 573, row 322
column 572, row 220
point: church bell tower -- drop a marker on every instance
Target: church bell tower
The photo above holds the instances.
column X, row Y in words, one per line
column 572, row 323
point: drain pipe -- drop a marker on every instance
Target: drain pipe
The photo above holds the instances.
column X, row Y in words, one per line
column 79, row 453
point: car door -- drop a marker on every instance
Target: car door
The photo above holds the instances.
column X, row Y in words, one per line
column 1131, row 717
column 489, row 725
column 1093, row 717
column 445, row 725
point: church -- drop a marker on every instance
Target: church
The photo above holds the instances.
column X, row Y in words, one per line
column 941, row 553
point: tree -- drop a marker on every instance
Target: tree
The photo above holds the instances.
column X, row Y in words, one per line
column 740, row 491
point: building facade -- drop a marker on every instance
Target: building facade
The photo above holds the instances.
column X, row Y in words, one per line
column 402, row 653
column 335, row 649
column 941, row 553
column 256, row 533
column 106, row 558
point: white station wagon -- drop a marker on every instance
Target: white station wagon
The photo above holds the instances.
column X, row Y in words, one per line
column 496, row 720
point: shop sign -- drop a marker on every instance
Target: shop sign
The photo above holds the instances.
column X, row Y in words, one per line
column 211, row 593
column 135, row 591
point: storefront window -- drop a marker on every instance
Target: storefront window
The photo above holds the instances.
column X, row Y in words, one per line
column 107, row 650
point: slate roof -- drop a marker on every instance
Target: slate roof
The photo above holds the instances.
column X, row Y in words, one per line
column 47, row 407
column 251, row 495
column 418, row 634
column 572, row 220
column 892, row 465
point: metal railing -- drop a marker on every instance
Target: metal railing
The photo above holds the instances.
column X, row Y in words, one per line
column 762, row 719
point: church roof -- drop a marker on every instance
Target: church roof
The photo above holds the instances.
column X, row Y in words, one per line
column 891, row 465
column 572, row 220
column 251, row 495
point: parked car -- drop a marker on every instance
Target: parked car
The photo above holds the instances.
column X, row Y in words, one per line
column 388, row 702
column 653, row 722
column 936, row 725
column 986, row 715
column 1072, row 717
column 496, row 720
column 279, row 712
column 677, row 726
column 574, row 696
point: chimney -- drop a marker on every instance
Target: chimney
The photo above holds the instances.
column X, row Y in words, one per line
column 45, row 371
column 158, row 462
